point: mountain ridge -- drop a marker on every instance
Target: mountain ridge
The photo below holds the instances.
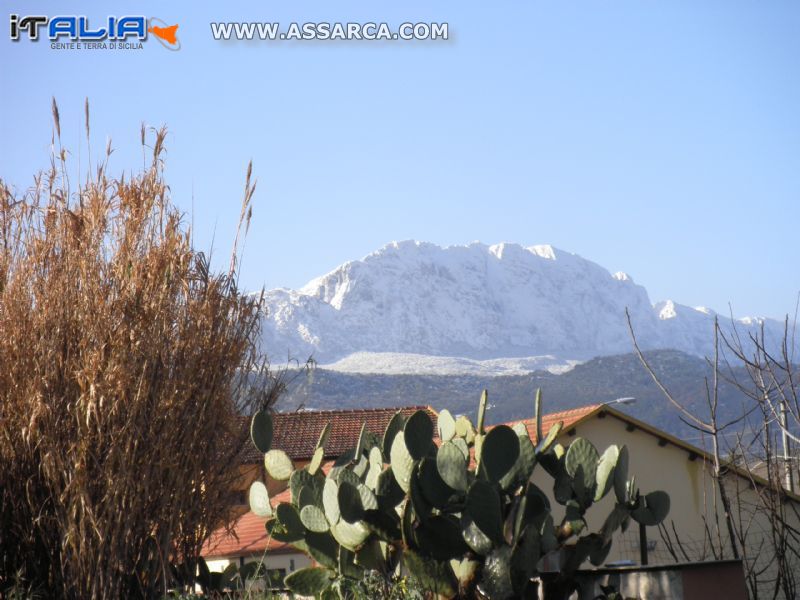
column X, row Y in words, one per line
column 482, row 303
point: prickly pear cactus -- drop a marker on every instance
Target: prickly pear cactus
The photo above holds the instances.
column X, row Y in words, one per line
column 461, row 516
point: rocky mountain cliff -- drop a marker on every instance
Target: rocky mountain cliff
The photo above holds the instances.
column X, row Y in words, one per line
column 419, row 307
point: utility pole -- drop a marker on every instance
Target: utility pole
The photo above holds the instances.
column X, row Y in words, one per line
column 787, row 449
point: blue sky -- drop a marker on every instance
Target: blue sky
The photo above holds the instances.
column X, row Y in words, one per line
column 662, row 139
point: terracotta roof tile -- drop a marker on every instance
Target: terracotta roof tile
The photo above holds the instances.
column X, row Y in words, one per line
column 248, row 536
column 569, row 417
column 297, row 433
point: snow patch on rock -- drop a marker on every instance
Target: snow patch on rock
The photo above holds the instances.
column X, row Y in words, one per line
column 475, row 308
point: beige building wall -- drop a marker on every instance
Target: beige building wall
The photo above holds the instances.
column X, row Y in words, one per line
column 659, row 464
column 289, row 562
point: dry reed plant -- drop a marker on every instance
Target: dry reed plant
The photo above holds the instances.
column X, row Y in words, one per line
column 123, row 366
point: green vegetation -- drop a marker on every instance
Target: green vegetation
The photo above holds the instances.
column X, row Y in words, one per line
column 462, row 518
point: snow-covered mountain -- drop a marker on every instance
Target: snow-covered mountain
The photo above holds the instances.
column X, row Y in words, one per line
column 418, row 307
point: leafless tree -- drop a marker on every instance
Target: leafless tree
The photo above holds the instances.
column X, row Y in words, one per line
column 752, row 479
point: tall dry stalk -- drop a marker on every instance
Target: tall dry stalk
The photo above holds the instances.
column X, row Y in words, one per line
column 122, row 360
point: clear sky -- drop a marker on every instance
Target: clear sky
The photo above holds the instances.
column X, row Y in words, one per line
column 657, row 138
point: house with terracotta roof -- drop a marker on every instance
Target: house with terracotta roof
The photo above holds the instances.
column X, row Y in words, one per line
column 296, row 434
column 657, row 459
column 661, row 461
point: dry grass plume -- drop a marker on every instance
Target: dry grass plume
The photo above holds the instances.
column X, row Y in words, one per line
column 121, row 360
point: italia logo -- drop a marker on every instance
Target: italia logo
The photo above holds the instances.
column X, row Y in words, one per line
column 77, row 29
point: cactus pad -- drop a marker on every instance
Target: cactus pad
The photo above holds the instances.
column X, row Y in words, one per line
column 259, row 499
column 261, row 430
column 499, row 453
column 278, row 465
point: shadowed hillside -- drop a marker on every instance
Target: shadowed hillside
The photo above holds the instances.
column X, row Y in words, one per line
column 511, row 397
